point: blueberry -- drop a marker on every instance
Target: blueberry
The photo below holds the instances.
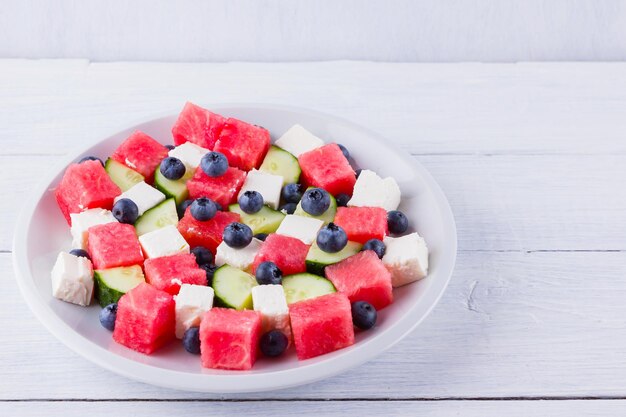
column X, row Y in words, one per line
column 90, row 158
column 191, row 340
column 363, row 315
column 251, row 202
column 218, row 206
column 358, row 172
column 344, row 151
column 182, row 207
column 315, row 201
column 202, row 209
column 342, row 199
column 80, row 253
column 214, row 164
column 288, row 208
column 203, row 255
column 237, row 235
column 172, row 168
column 267, row 273
column 292, row 193
column 397, row 222
column 261, row 236
column 170, row 147
column 108, row 315
column 210, row 271
column 125, row 211
column 332, row 238
column 377, row 246
column 273, row 343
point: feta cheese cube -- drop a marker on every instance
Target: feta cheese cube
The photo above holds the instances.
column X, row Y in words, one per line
column 72, row 279
column 268, row 185
column 297, row 140
column 192, row 302
column 406, row 258
column 143, row 195
column 241, row 258
column 82, row 221
column 300, row 227
column 270, row 301
column 371, row 190
column 163, row 242
column 189, row 153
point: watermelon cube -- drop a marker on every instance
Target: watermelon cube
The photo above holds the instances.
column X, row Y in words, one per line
column 206, row 233
column 327, row 168
column 244, row 144
column 362, row 277
column 321, row 325
column 197, row 125
column 223, row 190
column 229, row 338
column 288, row 253
column 85, row 186
column 146, row 319
column 113, row 244
column 141, row 153
column 168, row 273
column 362, row 223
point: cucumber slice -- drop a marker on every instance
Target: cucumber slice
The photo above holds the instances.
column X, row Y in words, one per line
column 112, row 283
column 280, row 162
column 121, row 175
column 176, row 189
column 233, row 287
column 303, row 286
column 264, row 221
column 157, row 217
column 327, row 217
column 317, row 259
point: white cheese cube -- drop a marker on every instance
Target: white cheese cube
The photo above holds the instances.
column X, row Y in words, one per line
column 371, row 190
column 82, row 221
column 268, row 185
column 300, row 227
column 72, row 279
column 406, row 258
column 192, row 302
column 241, row 258
column 270, row 301
column 189, row 153
column 297, row 140
column 163, row 242
column 143, row 195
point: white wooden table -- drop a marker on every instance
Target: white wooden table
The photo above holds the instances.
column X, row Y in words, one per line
column 531, row 156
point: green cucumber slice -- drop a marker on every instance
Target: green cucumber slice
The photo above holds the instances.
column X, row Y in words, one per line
column 317, row 260
column 176, row 189
column 233, row 288
column 264, row 221
column 303, row 286
column 327, row 217
column 164, row 214
column 112, row 283
column 121, row 175
column 280, row 162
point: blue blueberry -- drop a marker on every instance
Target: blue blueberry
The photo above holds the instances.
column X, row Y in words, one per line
column 267, row 273
column 377, row 246
column 292, row 193
column 251, row 202
column 358, row 172
column 210, row 271
column 344, row 151
column 273, row 343
column 315, row 201
column 203, row 255
column 202, row 209
column 107, row 316
column 214, row 164
column 80, row 253
column 218, row 206
column 332, row 238
column 172, row 168
column 90, row 158
column 182, row 207
column 191, row 340
column 261, row 236
column 170, row 147
column 125, row 211
column 397, row 222
column 237, row 235
column 363, row 315
column 342, row 199
column 289, row 208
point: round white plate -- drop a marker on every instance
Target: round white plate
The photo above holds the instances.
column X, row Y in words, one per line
column 42, row 232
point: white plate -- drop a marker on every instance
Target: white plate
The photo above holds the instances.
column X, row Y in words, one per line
column 42, row 232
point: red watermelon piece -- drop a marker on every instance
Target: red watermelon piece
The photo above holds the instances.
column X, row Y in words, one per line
column 222, row 189
column 229, row 338
column 321, row 325
column 145, row 319
column 167, row 273
column 85, row 186
column 288, row 253
column 327, row 168
column 244, row 144
column 113, row 244
column 362, row 277
column 141, row 153
column 197, row 125
column 208, row 233
column 362, row 223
